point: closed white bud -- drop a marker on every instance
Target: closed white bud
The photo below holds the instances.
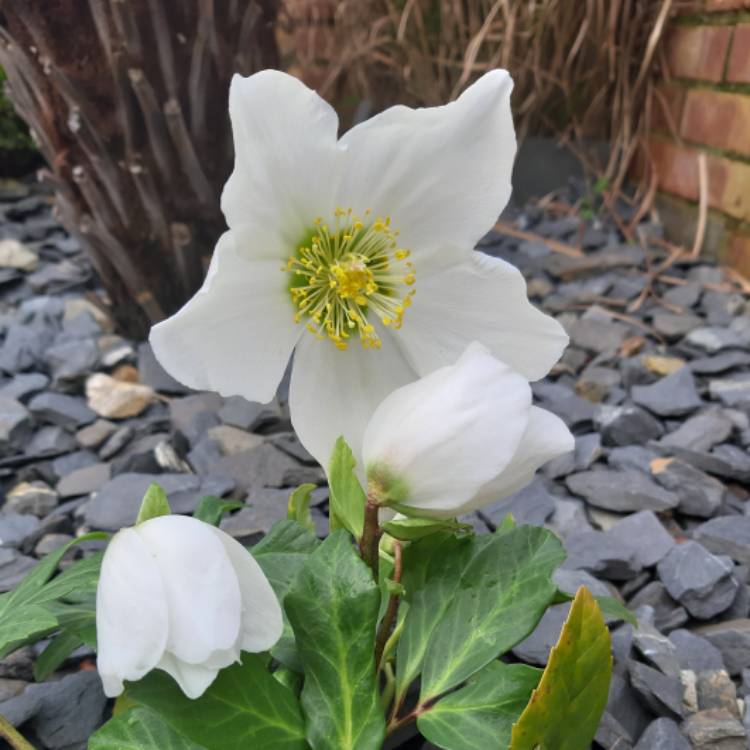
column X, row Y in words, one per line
column 180, row 595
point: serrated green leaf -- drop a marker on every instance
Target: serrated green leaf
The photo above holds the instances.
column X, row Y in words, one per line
column 565, row 709
column 281, row 554
column 481, row 714
column 347, row 498
column 245, row 707
column 140, row 729
column 211, row 509
column 298, row 508
column 25, row 612
column 413, row 528
column 333, row 607
column 154, row 504
column 55, row 654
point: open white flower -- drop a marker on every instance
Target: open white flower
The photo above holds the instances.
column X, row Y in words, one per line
column 460, row 438
column 356, row 252
column 180, row 595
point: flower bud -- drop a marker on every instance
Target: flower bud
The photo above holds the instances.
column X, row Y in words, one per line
column 180, row 595
column 460, row 438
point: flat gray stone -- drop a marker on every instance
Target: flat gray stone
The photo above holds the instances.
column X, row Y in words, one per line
column 16, row 528
column 605, row 556
column 627, row 425
column 84, row 480
column 15, row 425
column 69, row 412
column 728, row 535
column 644, row 533
column 117, row 503
column 700, row 581
column 694, row 652
column 662, row 734
column 264, row 508
column 672, row 396
column 36, row 498
column 536, row 647
column 732, row 639
column 700, row 432
column 621, row 491
column 732, row 391
column 660, row 692
column 534, row 504
column 699, row 494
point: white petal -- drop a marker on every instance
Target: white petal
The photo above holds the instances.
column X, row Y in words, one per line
column 442, row 173
column 334, row 392
column 262, row 623
column 131, row 612
column 203, row 595
column 236, row 335
column 452, row 431
column 546, row 437
column 287, row 162
column 193, row 679
column 482, row 299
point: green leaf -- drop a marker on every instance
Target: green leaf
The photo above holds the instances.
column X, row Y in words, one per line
column 333, row 607
column 299, row 506
column 154, row 504
column 481, row 714
column 347, row 498
column 496, row 589
column 211, row 509
column 413, row 528
column 281, row 554
column 507, row 524
column 25, row 614
column 245, row 707
column 565, row 709
column 57, row 651
column 616, row 610
column 139, row 729
column 432, row 572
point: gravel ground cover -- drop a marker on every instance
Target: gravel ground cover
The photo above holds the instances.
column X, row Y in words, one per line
column 652, row 506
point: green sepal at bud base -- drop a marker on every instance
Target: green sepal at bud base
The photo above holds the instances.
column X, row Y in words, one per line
column 298, row 507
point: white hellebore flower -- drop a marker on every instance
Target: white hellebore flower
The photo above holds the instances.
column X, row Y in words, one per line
column 180, row 595
column 461, row 438
column 356, row 253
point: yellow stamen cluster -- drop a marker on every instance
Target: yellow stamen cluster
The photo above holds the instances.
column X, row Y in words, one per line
column 345, row 272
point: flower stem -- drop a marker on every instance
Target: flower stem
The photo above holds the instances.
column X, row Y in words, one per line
column 13, row 736
column 390, row 614
column 368, row 544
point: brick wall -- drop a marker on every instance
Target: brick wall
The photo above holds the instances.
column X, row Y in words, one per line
column 703, row 105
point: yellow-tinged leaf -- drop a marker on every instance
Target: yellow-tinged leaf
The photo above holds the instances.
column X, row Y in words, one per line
column 564, row 710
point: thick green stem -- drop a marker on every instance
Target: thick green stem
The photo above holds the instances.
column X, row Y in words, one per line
column 13, row 736
column 368, row 544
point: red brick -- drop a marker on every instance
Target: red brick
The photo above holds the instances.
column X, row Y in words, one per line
column 672, row 98
column 737, row 254
column 738, row 70
column 698, row 51
column 729, row 187
column 712, row 118
column 676, row 168
column 677, row 173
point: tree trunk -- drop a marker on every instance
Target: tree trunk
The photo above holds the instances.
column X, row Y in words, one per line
column 127, row 100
